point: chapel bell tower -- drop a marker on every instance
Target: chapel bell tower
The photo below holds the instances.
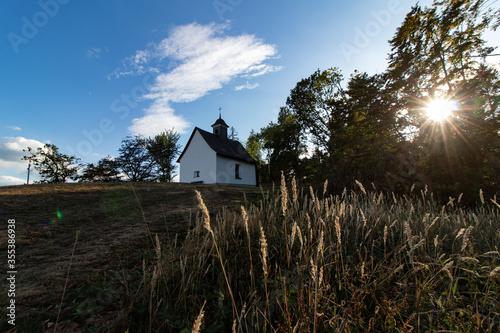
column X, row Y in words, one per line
column 220, row 128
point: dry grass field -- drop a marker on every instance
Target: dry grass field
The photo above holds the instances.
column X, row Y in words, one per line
column 167, row 258
column 112, row 239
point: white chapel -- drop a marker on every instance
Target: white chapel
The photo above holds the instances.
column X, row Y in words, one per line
column 213, row 158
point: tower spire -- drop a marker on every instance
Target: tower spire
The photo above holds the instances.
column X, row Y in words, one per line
column 220, row 127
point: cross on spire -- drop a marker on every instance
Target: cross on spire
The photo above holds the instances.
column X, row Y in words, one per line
column 220, row 112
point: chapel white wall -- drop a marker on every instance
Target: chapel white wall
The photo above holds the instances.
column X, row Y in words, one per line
column 226, row 172
column 198, row 157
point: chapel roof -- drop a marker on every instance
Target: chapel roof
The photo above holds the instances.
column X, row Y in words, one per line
column 220, row 121
column 223, row 147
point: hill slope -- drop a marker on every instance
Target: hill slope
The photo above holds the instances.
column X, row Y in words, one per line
column 112, row 220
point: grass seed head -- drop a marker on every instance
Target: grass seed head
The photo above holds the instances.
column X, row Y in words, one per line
column 263, row 250
column 284, row 193
column 294, row 232
column 408, row 233
column 294, row 190
column 447, row 268
column 360, row 186
column 314, row 270
column 197, row 322
column 204, row 211
column 466, row 238
column 301, row 240
column 495, row 272
column 320, row 282
column 157, row 247
column 338, row 231
column 320, row 243
column 363, row 217
column 245, row 218
column 154, row 278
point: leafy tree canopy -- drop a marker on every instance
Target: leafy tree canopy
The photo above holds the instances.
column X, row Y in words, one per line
column 163, row 150
column 135, row 160
column 51, row 164
column 106, row 170
column 376, row 128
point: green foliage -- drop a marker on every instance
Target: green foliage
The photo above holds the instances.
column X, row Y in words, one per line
column 52, row 165
column 284, row 143
column 317, row 102
column 106, row 170
column 163, row 149
column 374, row 128
column 436, row 53
column 254, row 146
column 140, row 159
column 135, row 160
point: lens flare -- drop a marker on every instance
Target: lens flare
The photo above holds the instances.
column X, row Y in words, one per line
column 56, row 220
column 440, row 109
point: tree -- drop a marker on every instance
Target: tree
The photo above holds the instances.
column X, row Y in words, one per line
column 355, row 131
column 285, row 144
column 315, row 101
column 163, row 149
column 233, row 135
column 135, row 160
column 436, row 50
column 254, row 146
column 53, row 166
column 373, row 128
column 106, row 170
column 436, row 54
column 366, row 137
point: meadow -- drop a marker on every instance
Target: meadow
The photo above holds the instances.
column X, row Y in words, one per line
column 154, row 258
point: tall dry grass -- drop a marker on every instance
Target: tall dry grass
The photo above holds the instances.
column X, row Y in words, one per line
column 359, row 261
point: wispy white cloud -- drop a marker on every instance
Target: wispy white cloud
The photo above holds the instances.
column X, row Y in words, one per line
column 9, row 180
column 247, row 86
column 11, row 149
column 193, row 61
column 12, row 168
column 93, row 53
column 158, row 118
column 259, row 70
column 137, row 64
column 14, row 128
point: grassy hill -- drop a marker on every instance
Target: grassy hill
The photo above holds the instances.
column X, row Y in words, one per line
column 112, row 220
column 158, row 258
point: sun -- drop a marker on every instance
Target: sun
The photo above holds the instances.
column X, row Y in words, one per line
column 440, row 109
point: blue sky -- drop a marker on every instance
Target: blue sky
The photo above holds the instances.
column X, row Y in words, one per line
column 85, row 74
